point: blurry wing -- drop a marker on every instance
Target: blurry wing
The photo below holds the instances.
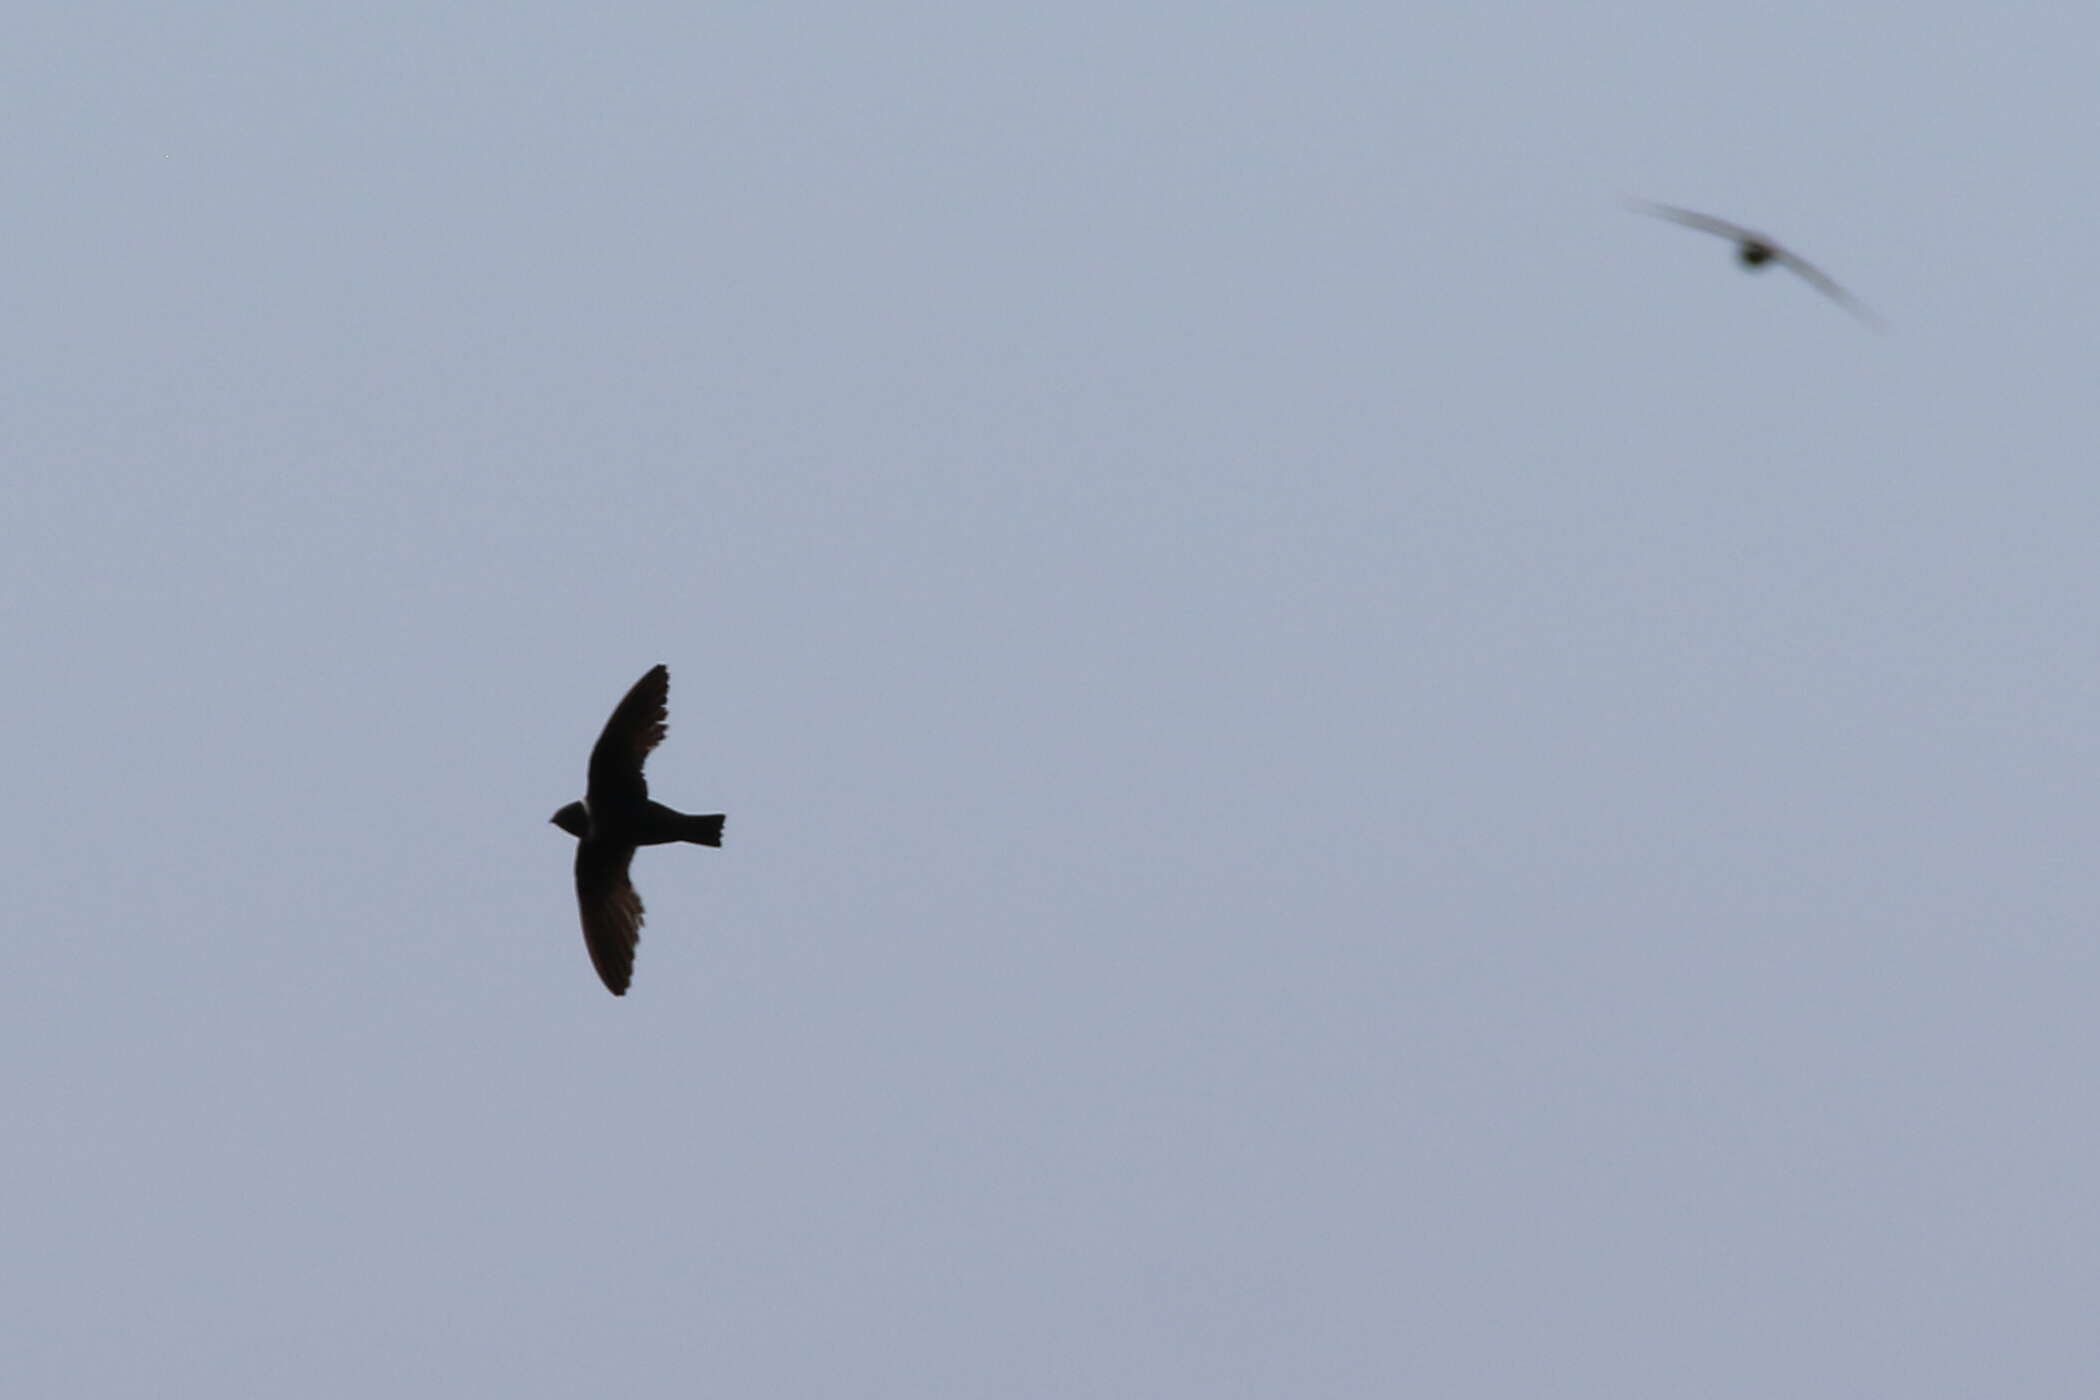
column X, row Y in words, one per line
column 612, row 911
column 1707, row 223
column 1817, row 278
column 636, row 727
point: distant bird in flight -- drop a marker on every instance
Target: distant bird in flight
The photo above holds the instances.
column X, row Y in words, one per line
column 1753, row 250
column 614, row 818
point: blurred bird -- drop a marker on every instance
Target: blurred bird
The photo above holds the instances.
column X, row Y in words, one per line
column 614, row 818
column 1753, row 250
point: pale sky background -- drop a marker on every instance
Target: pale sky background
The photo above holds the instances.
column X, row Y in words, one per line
column 1351, row 771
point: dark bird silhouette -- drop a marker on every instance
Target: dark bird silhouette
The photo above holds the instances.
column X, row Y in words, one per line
column 1753, row 250
column 614, row 818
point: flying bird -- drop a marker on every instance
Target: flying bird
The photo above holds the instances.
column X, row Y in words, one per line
column 1753, row 250
column 614, row 818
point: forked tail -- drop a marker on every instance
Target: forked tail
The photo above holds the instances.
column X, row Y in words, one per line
column 705, row 831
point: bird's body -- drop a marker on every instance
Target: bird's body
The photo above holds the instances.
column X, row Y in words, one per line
column 615, row 817
column 1755, row 250
column 653, row 824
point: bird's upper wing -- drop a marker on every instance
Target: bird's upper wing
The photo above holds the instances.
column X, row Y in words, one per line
column 1821, row 281
column 612, row 911
column 1691, row 219
column 636, row 727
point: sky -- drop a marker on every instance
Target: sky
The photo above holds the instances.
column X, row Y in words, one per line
column 1351, row 770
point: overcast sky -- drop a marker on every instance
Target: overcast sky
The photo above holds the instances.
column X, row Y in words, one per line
column 1351, row 770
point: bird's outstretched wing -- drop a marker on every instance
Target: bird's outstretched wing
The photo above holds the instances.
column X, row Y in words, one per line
column 612, row 911
column 1706, row 223
column 1822, row 282
column 637, row 726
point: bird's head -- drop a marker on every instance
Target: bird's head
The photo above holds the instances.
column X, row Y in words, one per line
column 1755, row 252
column 574, row 819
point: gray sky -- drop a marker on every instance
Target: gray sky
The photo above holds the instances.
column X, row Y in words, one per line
column 1351, row 771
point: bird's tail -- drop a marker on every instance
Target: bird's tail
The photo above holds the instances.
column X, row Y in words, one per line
column 704, row 831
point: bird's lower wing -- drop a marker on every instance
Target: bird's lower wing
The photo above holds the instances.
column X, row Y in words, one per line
column 1821, row 281
column 612, row 911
